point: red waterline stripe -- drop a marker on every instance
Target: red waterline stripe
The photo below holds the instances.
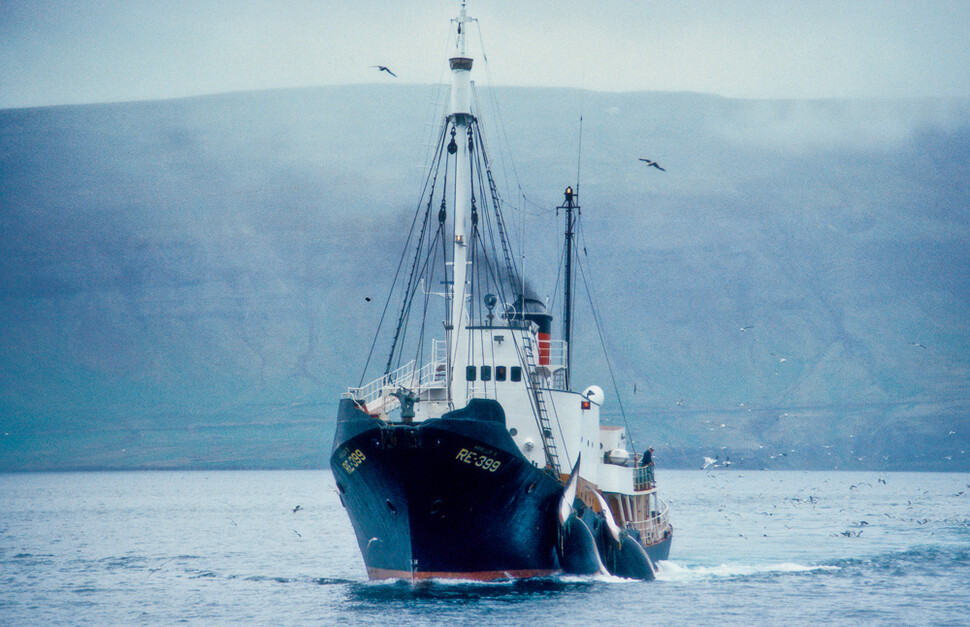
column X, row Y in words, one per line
column 484, row 575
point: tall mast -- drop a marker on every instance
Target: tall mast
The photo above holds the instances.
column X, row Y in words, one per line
column 567, row 314
column 460, row 115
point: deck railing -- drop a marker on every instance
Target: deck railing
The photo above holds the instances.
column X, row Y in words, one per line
column 407, row 376
column 643, row 478
column 653, row 529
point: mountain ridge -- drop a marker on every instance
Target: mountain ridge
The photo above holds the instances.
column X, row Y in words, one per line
column 193, row 266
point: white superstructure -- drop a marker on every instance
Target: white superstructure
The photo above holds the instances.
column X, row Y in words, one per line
column 498, row 347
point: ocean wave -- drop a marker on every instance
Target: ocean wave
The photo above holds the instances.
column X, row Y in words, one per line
column 672, row 571
column 463, row 591
column 928, row 559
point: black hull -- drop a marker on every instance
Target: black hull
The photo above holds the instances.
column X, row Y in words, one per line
column 445, row 498
column 661, row 550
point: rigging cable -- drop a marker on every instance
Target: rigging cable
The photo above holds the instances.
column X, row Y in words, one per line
column 513, row 272
column 397, row 273
column 507, row 155
column 408, row 292
column 430, row 262
column 582, row 105
column 599, row 330
column 492, row 270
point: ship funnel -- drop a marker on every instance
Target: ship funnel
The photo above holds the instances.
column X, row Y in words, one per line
column 528, row 306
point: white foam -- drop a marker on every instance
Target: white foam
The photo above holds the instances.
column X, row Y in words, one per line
column 671, row 571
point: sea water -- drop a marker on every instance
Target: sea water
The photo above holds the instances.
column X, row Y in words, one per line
column 750, row 547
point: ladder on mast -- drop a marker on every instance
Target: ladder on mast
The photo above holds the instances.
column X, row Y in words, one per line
column 539, row 406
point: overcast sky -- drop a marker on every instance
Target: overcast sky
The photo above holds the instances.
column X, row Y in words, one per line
column 80, row 51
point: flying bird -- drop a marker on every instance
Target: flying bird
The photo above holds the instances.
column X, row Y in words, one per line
column 384, row 68
column 297, row 508
column 652, row 164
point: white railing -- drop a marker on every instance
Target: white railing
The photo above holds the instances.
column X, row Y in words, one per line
column 557, row 353
column 433, row 373
column 652, row 530
column 372, row 390
column 407, row 376
column 558, row 380
column 643, row 477
column 439, row 350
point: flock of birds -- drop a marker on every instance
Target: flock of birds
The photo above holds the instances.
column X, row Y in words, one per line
column 851, row 527
column 795, row 501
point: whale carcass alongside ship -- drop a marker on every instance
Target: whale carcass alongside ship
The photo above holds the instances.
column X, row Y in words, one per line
column 471, row 456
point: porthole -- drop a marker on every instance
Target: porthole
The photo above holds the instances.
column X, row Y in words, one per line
column 513, row 432
column 436, row 507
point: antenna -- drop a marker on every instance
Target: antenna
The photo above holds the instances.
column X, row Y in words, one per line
column 579, row 156
column 582, row 103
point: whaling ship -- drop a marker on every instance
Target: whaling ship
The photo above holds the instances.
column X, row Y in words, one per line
column 475, row 459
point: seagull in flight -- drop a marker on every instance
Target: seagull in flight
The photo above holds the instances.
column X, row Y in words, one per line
column 384, row 68
column 652, row 164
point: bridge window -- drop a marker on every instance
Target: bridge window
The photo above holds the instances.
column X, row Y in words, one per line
column 500, row 373
column 486, row 373
column 516, row 373
column 469, row 373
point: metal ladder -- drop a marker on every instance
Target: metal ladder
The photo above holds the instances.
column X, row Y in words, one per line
column 539, row 405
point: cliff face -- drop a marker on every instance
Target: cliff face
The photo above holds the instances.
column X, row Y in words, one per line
column 185, row 282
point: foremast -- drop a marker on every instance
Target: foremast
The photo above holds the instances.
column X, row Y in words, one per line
column 464, row 218
column 569, row 206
